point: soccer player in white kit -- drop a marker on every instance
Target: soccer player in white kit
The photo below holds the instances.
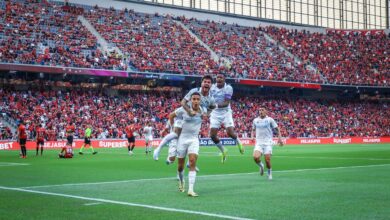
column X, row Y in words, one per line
column 222, row 114
column 207, row 101
column 188, row 142
column 264, row 126
column 148, row 133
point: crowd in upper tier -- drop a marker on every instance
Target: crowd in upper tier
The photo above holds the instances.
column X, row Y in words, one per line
column 51, row 34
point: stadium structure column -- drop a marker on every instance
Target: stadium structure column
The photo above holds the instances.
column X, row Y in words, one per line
column 288, row 11
column 365, row 14
column 387, row 14
column 316, row 12
column 341, row 10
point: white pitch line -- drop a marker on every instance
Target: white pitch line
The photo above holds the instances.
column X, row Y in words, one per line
column 202, row 176
column 333, row 158
column 92, row 203
column 216, row 154
column 6, row 164
column 126, row 203
column 330, row 168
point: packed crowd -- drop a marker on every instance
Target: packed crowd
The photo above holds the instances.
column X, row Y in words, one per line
column 343, row 57
column 249, row 53
column 152, row 42
column 50, row 34
column 46, row 34
column 109, row 115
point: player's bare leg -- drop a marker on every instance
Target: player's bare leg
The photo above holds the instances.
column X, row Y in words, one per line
column 41, row 149
column 232, row 134
column 192, row 158
column 257, row 158
column 217, row 141
column 180, row 173
column 268, row 164
column 131, row 147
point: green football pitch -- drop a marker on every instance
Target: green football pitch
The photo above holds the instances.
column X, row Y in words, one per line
column 309, row 182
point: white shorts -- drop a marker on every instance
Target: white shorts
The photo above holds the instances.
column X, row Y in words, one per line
column 172, row 150
column 216, row 119
column 187, row 146
column 263, row 148
column 148, row 138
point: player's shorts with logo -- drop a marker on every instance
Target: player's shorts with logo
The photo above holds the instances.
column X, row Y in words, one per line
column 187, row 146
column 22, row 141
column 217, row 119
column 40, row 141
column 87, row 140
column 148, row 138
column 131, row 139
column 263, row 148
column 69, row 139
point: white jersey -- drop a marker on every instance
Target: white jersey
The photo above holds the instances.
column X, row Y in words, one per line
column 148, row 131
column 205, row 101
column 264, row 129
column 221, row 95
column 191, row 124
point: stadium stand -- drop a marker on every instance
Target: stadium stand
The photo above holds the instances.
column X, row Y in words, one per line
column 343, row 57
column 250, row 53
column 154, row 43
column 48, row 34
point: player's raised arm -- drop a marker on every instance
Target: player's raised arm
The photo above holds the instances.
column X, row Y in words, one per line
column 172, row 117
column 186, row 99
column 166, row 129
column 186, row 106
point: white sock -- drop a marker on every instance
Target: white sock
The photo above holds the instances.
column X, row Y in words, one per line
column 220, row 147
column 191, row 180
column 269, row 172
column 259, row 163
column 166, row 139
column 181, row 175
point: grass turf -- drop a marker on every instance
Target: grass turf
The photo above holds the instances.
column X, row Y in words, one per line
column 310, row 182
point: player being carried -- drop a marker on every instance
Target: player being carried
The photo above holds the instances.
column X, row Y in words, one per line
column 264, row 126
column 222, row 114
column 40, row 138
column 206, row 102
column 188, row 142
column 148, row 133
